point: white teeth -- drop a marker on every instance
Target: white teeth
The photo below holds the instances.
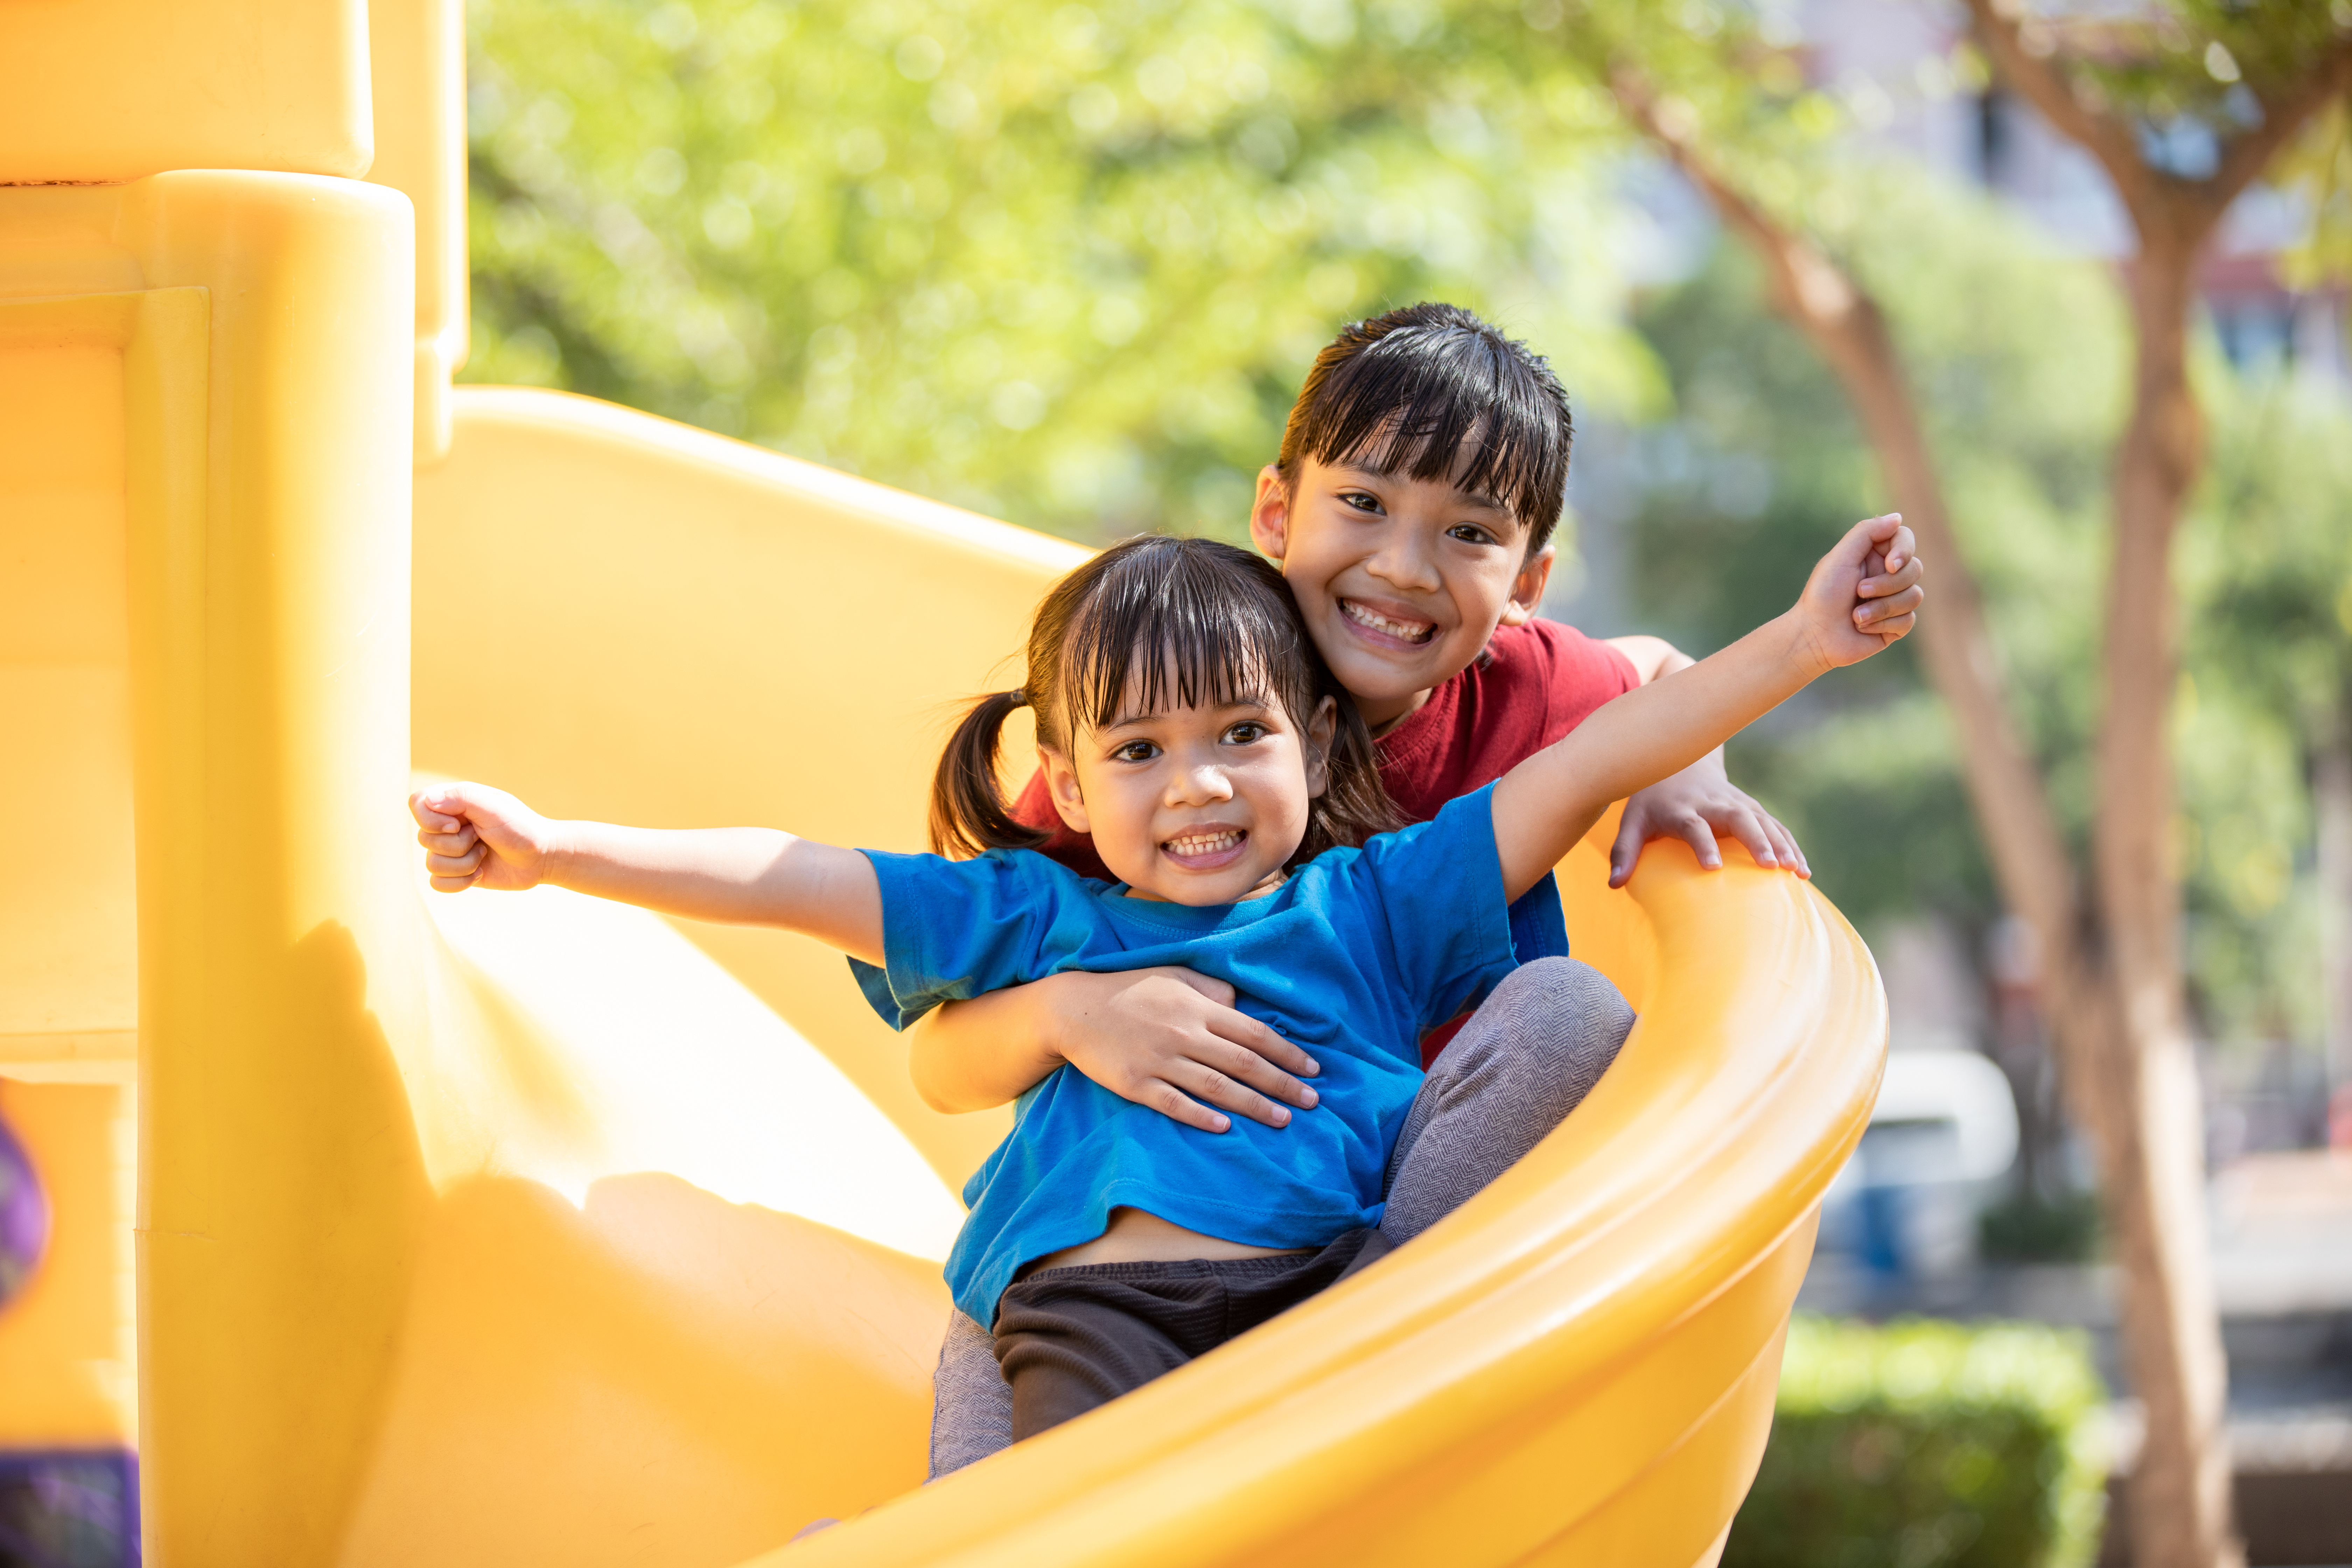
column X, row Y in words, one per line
column 1204, row 843
column 1411, row 631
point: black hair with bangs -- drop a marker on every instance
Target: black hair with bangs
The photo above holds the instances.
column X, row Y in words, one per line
column 1435, row 392
column 1162, row 622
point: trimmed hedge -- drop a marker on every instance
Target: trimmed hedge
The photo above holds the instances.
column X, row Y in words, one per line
column 2034, row 1230
column 1929, row 1445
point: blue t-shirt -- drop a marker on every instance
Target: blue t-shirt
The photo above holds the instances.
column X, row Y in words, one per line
column 1352, row 958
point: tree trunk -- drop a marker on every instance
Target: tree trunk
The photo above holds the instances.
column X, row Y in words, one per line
column 2112, row 984
column 2130, row 1074
column 2141, row 1075
column 2331, row 799
column 2115, row 1008
column 1848, row 331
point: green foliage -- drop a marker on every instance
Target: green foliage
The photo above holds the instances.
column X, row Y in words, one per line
column 2029, row 1228
column 2187, row 74
column 1927, row 1445
column 1728, row 77
column 2319, row 169
column 2017, row 356
column 2204, row 62
column 2266, row 574
column 1063, row 265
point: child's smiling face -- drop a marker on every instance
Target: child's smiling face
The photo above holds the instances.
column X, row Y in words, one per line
column 1194, row 805
column 1401, row 581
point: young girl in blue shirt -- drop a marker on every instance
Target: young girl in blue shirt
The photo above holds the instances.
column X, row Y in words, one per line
column 1185, row 721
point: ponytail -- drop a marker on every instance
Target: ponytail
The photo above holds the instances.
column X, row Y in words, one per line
column 968, row 816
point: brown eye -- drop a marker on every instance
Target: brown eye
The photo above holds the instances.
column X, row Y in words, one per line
column 1247, row 734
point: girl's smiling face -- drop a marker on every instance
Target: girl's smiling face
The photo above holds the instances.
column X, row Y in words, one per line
column 1195, row 804
column 1401, row 581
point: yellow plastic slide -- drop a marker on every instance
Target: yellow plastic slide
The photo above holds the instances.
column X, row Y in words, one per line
column 391, row 1228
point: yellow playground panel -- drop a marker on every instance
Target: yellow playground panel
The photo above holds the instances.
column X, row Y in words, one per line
column 393, row 1229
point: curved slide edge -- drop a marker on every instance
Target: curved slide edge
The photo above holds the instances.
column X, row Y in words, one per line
column 1549, row 1348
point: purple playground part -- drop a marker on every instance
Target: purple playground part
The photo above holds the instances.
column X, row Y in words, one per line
column 69, row 1507
column 24, row 1217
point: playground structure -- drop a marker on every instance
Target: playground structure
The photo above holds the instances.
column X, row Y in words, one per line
column 389, row 1229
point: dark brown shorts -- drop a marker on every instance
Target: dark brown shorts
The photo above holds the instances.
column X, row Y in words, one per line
column 1071, row 1339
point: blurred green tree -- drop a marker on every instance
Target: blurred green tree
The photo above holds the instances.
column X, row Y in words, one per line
column 2183, row 106
column 2268, row 706
column 2319, row 169
column 2021, row 353
column 1059, row 264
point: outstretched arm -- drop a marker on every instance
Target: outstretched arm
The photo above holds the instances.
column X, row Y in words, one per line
column 477, row 836
column 1549, row 802
column 1700, row 804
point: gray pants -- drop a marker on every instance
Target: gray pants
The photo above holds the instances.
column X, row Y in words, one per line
column 1525, row 1059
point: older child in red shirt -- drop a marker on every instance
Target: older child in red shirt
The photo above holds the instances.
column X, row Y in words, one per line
column 1422, row 474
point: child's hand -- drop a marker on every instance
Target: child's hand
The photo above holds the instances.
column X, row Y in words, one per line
column 1172, row 1040
column 476, row 836
column 1864, row 594
column 1699, row 806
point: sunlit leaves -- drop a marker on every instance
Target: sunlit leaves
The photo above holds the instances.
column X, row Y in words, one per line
column 2318, row 171
column 1060, row 263
column 2019, row 357
column 2191, row 71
